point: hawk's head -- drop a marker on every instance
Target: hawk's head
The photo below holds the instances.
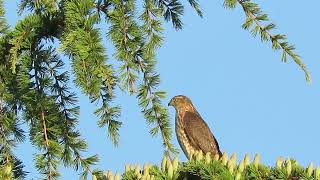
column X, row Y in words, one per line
column 181, row 102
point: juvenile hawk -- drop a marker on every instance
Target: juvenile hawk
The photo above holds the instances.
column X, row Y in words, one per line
column 192, row 131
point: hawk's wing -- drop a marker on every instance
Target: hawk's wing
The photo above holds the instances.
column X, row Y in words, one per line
column 199, row 133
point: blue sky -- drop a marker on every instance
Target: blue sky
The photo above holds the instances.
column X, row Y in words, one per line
column 250, row 99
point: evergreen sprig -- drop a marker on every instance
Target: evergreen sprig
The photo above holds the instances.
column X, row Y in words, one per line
column 71, row 141
column 82, row 42
column 41, row 92
column 148, row 95
column 173, row 10
column 257, row 22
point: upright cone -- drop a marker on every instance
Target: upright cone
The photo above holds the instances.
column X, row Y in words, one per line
column 175, row 163
column 279, row 162
column 317, row 173
column 288, row 167
column 208, row 158
column 310, row 170
column 241, row 166
column 216, row 157
column 146, row 169
column 137, row 169
column 224, row 158
column 246, row 160
column 256, row 160
column 163, row 163
column 117, row 176
column 170, row 170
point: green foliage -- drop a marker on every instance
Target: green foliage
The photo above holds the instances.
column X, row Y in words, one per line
column 35, row 79
column 208, row 168
column 258, row 23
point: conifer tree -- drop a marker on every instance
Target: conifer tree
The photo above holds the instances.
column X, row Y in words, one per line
column 35, row 82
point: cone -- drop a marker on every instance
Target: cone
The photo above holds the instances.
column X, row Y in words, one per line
column 216, row 157
column 230, row 165
column 131, row 167
column 310, row 170
column 137, row 169
column 168, row 164
column 199, row 156
column 170, row 170
column 117, row 176
column 231, row 168
column 246, row 160
column 224, row 158
column 175, row 163
column 241, row 166
column 163, row 163
column 233, row 157
column 208, row 158
column 108, row 175
column 256, row 160
column 279, row 162
column 126, row 168
column 146, row 169
column 317, row 173
column 288, row 167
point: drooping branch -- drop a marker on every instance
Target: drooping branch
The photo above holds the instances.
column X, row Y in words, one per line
column 66, row 100
column 82, row 42
column 148, row 95
column 254, row 22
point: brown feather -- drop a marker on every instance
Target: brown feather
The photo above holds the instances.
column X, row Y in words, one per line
column 199, row 134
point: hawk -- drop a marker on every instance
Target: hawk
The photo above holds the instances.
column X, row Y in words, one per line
column 192, row 131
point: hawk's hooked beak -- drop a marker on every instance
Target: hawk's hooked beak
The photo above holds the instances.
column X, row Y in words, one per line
column 170, row 103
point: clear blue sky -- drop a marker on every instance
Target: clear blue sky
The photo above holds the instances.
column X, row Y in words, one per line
column 250, row 99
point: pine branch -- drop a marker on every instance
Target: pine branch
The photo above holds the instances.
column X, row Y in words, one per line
column 43, row 115
column 256, row 16
column 149, row 97
column 154, row 111
column 125, row 35
column 82, row 43
column 51, row 172
column 196, row 6
column 173, row 10
column 23, row 33
column 108, row 115
column 69, row 112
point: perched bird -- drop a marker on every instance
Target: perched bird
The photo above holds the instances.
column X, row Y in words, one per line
column 192, row 131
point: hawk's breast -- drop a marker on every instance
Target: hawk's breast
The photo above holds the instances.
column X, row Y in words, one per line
column 182, row 137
